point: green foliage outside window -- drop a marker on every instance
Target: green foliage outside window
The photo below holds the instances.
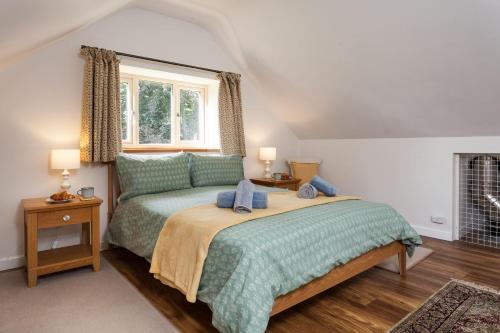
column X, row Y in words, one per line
column 190, row 109
column 155, row 112
column 155, row 100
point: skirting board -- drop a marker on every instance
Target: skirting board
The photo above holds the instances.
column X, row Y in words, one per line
column 19, row 261
column 11, row 262
column 433, row 233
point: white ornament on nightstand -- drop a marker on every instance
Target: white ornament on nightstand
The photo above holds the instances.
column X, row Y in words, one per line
column 64, row 159
column 267, row 154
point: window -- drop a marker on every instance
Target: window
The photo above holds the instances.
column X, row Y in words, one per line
column 155, row 112
column 189, row 109
column 125, row 108
column 161, row 109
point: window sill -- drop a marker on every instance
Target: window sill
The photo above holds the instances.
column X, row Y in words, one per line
column 168, row 150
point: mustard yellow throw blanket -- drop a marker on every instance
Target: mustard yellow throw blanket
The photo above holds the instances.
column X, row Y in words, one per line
column 183, row 243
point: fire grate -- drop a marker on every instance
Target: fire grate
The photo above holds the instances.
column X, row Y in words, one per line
column 479, row 204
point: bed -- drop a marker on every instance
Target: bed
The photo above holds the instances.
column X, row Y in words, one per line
column 259, row 268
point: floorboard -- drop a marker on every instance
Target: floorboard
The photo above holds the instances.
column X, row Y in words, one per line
column 370, row 302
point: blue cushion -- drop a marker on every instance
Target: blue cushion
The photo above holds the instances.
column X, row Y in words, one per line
column 323, row 186
column 226, row 199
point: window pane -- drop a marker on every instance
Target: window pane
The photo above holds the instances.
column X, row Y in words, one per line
column 190, row 114
column 155, row 99
column 125, row 109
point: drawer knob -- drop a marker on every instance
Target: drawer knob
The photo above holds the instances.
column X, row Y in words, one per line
column 66, row 218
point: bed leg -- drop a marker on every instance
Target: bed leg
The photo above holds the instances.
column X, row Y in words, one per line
column 402, row 260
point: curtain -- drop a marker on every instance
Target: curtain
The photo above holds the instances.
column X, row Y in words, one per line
column 100, row 138
column 232, row 135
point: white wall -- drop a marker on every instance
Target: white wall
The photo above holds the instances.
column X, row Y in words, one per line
column 415, row 176
column 40, row 110
column 374, row 69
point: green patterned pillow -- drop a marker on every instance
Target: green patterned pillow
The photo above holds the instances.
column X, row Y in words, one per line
column 208, row 170
column 143, row 174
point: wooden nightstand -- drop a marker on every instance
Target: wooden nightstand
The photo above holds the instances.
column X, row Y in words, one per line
column 41, row 215
column 291, row 184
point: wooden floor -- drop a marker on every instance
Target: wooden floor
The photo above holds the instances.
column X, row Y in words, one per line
column 370, row 302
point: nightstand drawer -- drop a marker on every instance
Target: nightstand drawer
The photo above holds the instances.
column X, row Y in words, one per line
column 64, row 217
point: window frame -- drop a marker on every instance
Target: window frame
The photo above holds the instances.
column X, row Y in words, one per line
column 175, row 118
column 130, row 110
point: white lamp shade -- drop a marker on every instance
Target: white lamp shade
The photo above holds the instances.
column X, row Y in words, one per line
column 267, row 153
column 63, row 159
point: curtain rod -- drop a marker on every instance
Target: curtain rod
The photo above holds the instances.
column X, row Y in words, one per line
column 164, row 61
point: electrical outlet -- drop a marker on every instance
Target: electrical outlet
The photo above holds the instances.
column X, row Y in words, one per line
column 438, row 219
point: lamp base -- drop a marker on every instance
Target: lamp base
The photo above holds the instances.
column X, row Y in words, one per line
column 65, row 184
column 267, row 170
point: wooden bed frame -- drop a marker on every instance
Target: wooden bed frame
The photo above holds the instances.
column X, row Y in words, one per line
column 337, row 275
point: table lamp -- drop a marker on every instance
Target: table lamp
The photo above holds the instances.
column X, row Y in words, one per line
column 267, row 154
column 65, row 159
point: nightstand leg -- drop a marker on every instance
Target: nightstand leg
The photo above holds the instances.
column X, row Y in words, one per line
column 32, row 249
column 32, row 279
column 26, row 248
column 96, row 239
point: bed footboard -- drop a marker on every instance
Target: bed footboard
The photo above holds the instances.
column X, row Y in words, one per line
column 340, row 274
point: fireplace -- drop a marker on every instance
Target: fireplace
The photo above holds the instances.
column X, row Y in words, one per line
column 479, row 199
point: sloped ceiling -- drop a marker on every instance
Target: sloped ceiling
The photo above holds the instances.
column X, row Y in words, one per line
column 26, row 25
column 332, row 68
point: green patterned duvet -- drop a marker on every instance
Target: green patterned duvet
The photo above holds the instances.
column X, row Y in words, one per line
column 250, row 264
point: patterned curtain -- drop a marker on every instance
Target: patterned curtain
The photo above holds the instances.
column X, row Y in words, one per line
column 232, row 135
column 100, row 138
